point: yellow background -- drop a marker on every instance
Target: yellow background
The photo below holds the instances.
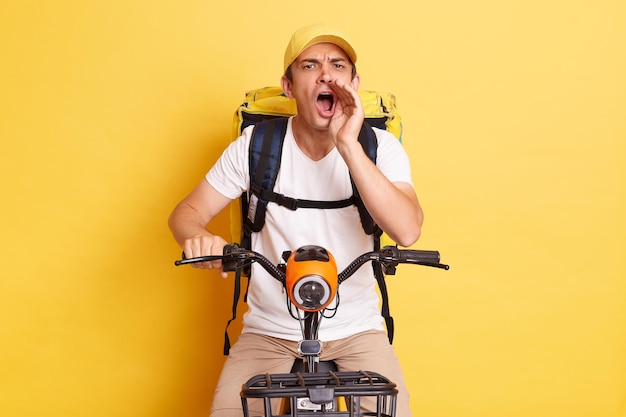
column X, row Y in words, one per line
column 515, row 120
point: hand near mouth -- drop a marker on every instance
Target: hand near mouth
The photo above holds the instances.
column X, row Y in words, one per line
column 347, row 120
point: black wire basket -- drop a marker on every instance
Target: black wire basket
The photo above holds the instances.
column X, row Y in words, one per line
column 321, row 394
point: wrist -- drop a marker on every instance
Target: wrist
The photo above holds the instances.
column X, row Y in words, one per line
column 350, row 150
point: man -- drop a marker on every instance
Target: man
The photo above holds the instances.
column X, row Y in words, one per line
column 320, row 153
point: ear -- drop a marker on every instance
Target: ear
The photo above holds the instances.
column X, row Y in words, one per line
column 286, row 84
column 356, row 81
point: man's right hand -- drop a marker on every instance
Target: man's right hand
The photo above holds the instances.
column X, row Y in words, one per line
column 205, row 245
column 189, row 220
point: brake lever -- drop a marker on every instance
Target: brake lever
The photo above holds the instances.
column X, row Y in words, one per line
column 186, row 261
column 231, row 261
column 431, row 264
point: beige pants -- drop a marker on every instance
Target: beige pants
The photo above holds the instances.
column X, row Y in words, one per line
column 255, row 354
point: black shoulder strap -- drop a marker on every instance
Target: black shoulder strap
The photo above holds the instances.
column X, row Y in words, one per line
column 266, row 146
column 382, row 286
column 236, row 292
column 369, row 142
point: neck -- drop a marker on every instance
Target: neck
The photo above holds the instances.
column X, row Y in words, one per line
column 314, row 143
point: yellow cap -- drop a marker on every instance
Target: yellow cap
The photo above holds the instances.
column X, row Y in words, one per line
column 312, row 35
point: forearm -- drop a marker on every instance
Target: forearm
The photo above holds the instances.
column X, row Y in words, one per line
column 188, row 227
column 393, row 206
column 189, row 219
column 186, row 223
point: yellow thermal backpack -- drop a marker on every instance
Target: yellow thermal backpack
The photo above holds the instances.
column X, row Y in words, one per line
column 268, row 109
column 269, row 103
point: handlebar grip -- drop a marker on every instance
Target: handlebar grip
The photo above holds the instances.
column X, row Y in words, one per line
column 411, row 255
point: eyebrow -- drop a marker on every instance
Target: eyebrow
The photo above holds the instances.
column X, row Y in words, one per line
column 317, row 60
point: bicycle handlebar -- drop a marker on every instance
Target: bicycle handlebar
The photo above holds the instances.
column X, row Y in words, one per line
column 235, row 257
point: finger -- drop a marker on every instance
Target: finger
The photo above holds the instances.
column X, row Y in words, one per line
column 347, row 91
column 208, row 265
column 188, row 249
column 344, row 96
column 201, row 246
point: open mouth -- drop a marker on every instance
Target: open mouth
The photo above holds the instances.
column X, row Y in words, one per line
column 325, row 102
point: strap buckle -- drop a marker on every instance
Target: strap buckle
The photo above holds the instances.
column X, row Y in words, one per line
column 288, row 202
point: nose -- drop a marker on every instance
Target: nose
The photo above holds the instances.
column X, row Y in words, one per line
column 325, row 77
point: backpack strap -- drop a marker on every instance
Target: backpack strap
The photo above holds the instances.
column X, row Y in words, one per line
column 236, row 292
column 264, row 163
column 368, row 141
column 382, row 286
column 266, row 147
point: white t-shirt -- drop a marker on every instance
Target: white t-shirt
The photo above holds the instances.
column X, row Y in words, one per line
column 337, row 230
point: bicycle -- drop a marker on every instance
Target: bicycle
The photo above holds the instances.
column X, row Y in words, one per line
column 309, row 275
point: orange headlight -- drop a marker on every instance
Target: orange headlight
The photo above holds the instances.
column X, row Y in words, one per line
column 311, row 279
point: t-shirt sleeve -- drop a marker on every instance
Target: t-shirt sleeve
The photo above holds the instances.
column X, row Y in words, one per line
column 229, row 176
column 392, row 159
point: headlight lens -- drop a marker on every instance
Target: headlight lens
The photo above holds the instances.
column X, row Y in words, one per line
column 311, row 292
